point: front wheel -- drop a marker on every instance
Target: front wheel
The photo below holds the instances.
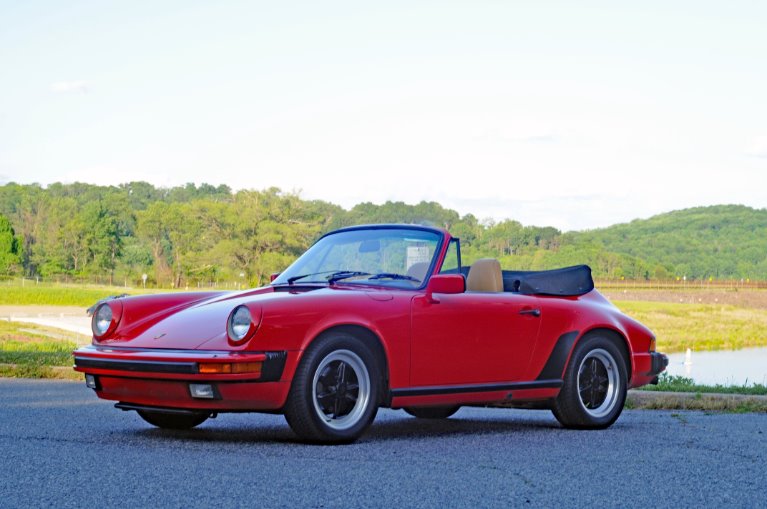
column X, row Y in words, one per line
column 167, row 420
column 334, row 395
column 594, row 390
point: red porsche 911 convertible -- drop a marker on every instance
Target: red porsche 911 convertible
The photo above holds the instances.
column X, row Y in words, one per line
column 373, row 316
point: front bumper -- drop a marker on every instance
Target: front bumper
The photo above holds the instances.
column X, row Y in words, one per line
column 163, row 378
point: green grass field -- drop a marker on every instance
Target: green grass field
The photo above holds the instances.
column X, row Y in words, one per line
column 679, row 326
column 669, row 383
column 28, row 351
column 50, row 295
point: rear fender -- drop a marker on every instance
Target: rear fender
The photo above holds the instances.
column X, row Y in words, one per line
column 620, row 341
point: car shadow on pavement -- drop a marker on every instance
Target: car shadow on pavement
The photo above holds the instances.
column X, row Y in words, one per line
column 409, row 427
column 393, row 426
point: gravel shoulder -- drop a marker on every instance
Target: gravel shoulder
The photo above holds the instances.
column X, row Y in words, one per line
column 68, row 318
column 32, row 310
column 653, row 400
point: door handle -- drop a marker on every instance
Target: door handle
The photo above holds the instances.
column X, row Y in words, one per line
column 532, row 312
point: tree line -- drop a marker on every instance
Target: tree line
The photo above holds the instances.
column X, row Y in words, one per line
column 193, row 235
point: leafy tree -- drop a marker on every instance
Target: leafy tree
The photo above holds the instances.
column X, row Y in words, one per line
column 10, row 248
column 153, row 231
column 106, row 225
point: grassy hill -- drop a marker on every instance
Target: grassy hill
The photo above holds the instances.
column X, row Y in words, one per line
column 723, row 241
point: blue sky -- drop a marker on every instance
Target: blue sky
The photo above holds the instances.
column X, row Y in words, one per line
column 571, row 114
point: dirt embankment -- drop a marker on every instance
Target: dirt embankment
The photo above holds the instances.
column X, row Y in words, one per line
column 755, row 299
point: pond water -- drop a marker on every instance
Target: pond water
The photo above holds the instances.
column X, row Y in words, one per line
column 727, row 367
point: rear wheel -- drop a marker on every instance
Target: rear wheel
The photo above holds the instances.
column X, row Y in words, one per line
column 595, row 383
column 167, row 420
column 334, row 396
column 432, row 412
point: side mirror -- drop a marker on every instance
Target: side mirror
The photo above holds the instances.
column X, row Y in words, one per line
column 445, row 283
column 273, row 276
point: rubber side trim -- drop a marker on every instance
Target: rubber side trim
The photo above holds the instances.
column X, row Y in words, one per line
column 555, row 366
column 461, row 389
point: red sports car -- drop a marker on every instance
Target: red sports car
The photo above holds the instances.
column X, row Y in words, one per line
column 373, row 316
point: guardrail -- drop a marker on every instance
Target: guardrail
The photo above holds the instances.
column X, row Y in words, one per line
column 704, row 284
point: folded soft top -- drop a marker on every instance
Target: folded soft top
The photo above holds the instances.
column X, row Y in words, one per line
column 568, row 281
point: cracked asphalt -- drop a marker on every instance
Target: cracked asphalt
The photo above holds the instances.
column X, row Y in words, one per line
column 62, row 447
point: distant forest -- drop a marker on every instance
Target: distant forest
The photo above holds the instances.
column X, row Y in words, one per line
column 191, row 236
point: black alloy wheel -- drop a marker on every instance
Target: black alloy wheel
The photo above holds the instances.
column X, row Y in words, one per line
column 335, row 392
column 595, row 385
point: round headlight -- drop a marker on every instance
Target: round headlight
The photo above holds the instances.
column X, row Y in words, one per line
column 102, row 320
column 240, row 323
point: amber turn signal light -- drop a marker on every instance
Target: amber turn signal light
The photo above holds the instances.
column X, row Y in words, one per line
column 228, row 368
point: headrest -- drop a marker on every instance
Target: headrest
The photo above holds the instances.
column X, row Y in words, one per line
column 485, row 276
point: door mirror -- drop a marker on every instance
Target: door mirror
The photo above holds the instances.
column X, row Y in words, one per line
column 445, row 283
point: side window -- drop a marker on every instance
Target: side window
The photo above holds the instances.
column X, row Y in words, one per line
column 452, row 263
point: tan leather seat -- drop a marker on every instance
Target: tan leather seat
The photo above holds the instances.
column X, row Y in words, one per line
column 485, row 276
column 418, row 270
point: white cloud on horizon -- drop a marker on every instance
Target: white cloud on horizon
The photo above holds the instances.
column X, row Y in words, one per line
column 70, row 87
column 564, row 212
column 519, row 135
column 111, row 176
column 758, row 147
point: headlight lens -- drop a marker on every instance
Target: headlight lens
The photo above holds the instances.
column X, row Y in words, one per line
column 240, row 323
column 102, row 320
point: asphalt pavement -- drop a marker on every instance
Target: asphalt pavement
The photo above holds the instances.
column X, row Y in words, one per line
column 62, row 447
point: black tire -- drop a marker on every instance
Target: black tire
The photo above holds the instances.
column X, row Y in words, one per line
column 432, row 412
column 595, row 384
column 167, row 420
column 335, row 392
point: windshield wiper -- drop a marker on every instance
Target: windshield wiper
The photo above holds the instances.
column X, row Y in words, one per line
column 335, row 275
column 392, row 275
column 343, row 274
column 293, row 279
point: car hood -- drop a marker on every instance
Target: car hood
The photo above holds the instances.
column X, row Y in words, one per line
column 196, row 324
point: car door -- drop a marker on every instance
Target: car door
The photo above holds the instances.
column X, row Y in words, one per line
column 472, row 338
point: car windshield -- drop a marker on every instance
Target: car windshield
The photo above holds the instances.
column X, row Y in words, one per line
column 392, row 257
